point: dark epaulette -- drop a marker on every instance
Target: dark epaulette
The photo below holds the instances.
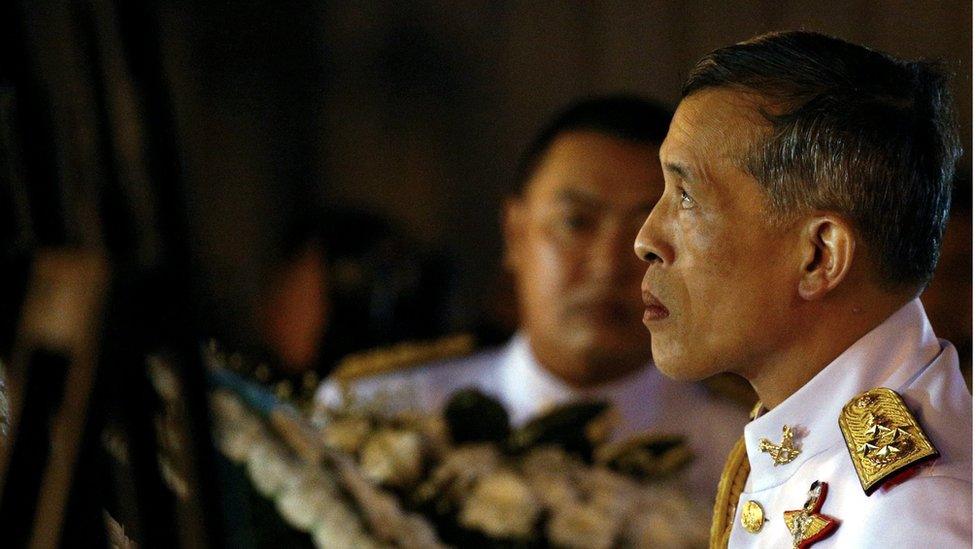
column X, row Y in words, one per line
column 401, row 357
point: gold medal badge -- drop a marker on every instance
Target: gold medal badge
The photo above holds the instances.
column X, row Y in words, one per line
column 883, row 437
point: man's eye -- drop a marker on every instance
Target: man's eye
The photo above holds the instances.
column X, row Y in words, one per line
column 687, row 202
column 575, row 222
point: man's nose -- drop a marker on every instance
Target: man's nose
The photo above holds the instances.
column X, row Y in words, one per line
column 651, row 244
column 609, row 256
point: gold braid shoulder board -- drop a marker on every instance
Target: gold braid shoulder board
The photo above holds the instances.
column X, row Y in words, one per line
column 883, row 437
column 401, row 357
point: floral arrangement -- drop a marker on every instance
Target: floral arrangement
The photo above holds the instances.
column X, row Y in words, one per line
column 364, row 477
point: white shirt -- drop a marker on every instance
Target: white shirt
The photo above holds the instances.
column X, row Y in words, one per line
column 645, row 401
column 932, row 509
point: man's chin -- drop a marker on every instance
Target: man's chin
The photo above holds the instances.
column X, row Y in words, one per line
column 682, row 370
column 620, row 349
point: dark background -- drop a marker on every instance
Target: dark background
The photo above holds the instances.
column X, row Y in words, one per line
column 417, row 111
column 191, row 148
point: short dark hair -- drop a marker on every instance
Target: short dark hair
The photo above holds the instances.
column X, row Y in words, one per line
column 855, row 131
column 626, row 117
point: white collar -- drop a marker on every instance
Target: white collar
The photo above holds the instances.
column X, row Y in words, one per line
column 530, row 389
column 890, row 355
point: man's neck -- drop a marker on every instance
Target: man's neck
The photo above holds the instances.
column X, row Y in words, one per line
column 828, row 330
column 582, row 372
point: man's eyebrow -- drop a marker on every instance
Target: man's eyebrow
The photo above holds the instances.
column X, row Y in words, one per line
column 579, row 196
column 582, row 197
column 681, row 170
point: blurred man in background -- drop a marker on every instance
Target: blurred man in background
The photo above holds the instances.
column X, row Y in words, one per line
column 583, row 189
column 345, row 281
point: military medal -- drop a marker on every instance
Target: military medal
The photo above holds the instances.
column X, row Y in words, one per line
column 782, row 453
column 807, row 525
column 883, row 438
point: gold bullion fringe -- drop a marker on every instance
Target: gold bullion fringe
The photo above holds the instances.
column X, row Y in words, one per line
column 730, row 487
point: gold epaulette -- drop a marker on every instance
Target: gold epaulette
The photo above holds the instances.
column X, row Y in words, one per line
column 883, row 437
column 401, row 357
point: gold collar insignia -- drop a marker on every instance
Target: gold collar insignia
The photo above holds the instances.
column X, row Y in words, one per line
column 782, row 453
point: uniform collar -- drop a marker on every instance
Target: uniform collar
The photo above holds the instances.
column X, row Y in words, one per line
column 531, row 389
column 890, row 355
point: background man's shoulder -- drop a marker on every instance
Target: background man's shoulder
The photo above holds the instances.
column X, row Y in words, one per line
column 422, row 382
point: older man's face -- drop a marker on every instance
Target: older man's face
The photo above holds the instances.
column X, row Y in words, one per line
column 569, row 240
column 721, row 279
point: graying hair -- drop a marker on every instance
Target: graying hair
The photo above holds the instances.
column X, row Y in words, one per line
column 853, row 131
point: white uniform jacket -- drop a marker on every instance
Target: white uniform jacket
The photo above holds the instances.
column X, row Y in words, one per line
column 931, row 509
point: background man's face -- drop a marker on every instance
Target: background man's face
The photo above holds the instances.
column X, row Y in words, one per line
column 568, row 240
column 724, row 275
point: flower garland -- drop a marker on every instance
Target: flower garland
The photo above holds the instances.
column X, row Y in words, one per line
column 406, row 479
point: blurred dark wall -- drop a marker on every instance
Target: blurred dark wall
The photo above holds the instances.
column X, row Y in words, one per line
column 418, row 110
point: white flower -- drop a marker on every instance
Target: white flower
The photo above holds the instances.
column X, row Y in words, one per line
column 305, row 498
column 460, row 469
column 340, row 529
column 237, row 429
column 346, row 433
column 433, row 429
column 554, row 490
column 471, row 461
column 302, row 508
column 578, row 526
column 550, row 471
column 502, row 506
column 550, row 459
column 612, row 493
column 666, row 517
column 269, row 467
column 654, row 530
column 337, row 537
column 238, row 442
column 226, row 406
column 417, row 532
column 393, row 458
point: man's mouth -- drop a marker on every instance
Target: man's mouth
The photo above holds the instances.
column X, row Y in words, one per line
column 653, row 309
column 608, row 310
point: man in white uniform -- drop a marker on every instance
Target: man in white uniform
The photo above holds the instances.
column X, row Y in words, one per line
column 807, row 184
column 585, row 186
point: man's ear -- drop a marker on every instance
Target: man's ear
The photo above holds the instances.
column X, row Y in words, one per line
column 828, row 255
column 513, row 229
